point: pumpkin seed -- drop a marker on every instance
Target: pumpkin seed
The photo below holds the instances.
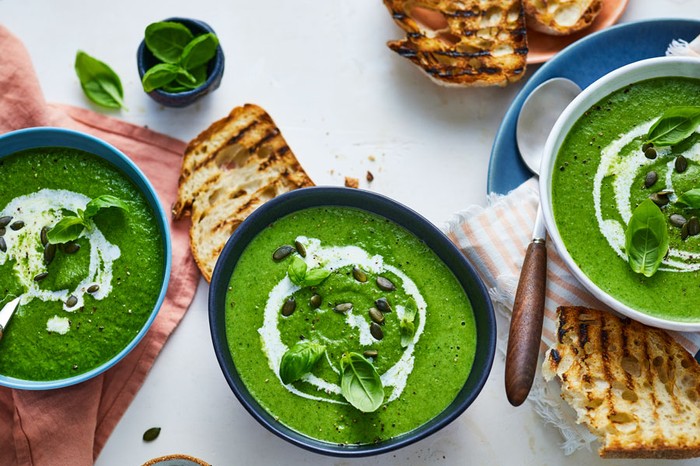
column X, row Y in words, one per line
column 41, row 276
column 383, row 305
column 646, row 146
column 342, row 308
column 3, row 244
column 44, row 236
column 93, row 288
column 301, row 249
column 376, row 330
column 650, row 153
column 71, row 301
column 677, row 220
column 693, row 226
column 315, row 301
column 49, row 253
column 4, row 221
column 18, row 225
column 2, row 231
column 681, row 164
column 151, row 434
column 660, row 199
column 650, row 179
column 385, row 284
column 288, row 307
column 359, row 274
column 370, row 353
column 684, row 231
column 282, row 252
column 71, row 247
column 376, row 315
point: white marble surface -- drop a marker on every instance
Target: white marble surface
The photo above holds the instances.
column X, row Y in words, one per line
column 340, row 96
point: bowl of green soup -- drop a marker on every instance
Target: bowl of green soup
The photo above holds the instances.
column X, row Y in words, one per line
column 620, row 190
column 347, row 324
column 85, row 244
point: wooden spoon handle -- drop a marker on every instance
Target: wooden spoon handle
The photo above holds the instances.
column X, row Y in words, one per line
column 526, row 324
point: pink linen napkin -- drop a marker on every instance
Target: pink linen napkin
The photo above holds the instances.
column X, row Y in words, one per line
column 494, row 239
column 69, row 426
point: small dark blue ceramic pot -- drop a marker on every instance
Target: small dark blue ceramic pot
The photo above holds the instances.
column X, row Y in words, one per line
column 215, row 70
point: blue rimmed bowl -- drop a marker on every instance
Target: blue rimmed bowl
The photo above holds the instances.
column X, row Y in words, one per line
column 384, row 207
column 33, row 138
column 215, row 69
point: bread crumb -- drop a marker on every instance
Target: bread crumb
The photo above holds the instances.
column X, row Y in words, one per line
column 351, row 182
column 372, row 158
column 370, row 176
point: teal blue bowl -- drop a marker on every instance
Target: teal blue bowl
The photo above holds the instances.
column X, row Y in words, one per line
column 33, row 138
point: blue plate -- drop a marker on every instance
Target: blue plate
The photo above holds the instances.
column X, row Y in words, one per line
column 583, row 62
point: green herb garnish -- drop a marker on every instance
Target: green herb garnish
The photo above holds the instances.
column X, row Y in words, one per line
column 407, row 327
column 99, row 82
column 299, row 360
column 646, row 238
column 183, row 57
column 360, row 383
column 674, row 126
column 300, row 275
column 690, row 199
column 72, row 225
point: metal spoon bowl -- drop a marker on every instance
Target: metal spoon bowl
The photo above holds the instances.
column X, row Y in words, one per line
column 535, row 121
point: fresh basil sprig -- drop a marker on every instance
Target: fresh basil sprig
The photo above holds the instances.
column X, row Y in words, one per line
column 646, row 238
column 675, row 125
column 184, row 57
column 72, row 225
column 99, row 82
column 690, row 199
column 407, row 327
column 360, row 383
column 300, row 275
column 299, row 360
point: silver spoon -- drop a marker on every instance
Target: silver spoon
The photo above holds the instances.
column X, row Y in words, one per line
column 535, row 121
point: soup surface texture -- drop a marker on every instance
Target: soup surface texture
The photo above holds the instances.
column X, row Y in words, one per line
column 421, row 375
column 602, row 174
column 79, row 308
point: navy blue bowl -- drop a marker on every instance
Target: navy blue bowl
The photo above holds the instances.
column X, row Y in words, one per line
column 215, row 70
column 334, row 196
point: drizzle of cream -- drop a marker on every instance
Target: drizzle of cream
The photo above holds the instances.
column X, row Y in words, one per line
column 333, row 258
column 624, row 167
column 44, row 208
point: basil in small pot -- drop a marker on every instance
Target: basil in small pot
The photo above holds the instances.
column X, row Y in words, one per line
column 646, row 238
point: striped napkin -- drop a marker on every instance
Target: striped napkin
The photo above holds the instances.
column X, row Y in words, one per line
column 494, row 239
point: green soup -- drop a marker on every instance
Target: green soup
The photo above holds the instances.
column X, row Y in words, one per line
column 600, row 177
column 421, row 375
column 80, row 308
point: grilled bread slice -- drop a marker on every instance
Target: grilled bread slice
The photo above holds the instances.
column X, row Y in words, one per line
column 561, row 17
column 465, row 43
column 633, row 386
column 230, row 169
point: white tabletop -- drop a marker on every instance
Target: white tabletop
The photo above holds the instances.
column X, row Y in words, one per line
column 346, row 104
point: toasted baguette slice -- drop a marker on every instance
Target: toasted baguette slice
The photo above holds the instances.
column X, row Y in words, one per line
column 633, row 386
column 230, row 169
column 561, row 17
column 466, row 43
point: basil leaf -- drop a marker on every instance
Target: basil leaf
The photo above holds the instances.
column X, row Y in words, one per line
column 315, row 276
column 646, row 238
column 104, row 201
column 406, row 327
column 99, row 82
column 690, row 199
column 674, row 125
column 199, row 51
column 297, row 270
column 166, row 40
column 299, row 360
column 159, row 76
column 360, row 383
column 69, row 228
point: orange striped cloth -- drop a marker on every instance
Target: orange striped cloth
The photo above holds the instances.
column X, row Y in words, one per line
column 495, row 238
